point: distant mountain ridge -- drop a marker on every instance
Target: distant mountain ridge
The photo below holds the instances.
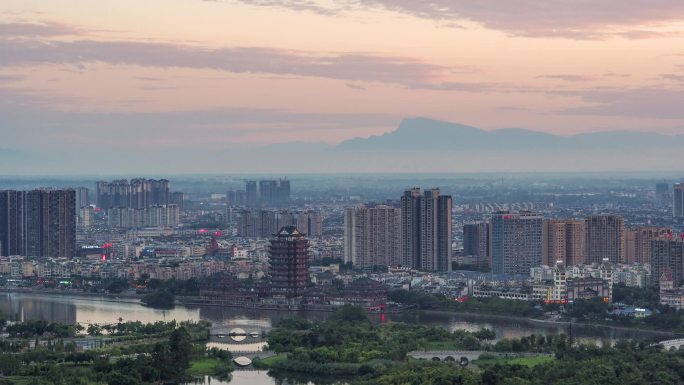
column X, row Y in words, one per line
column 421, row 133
column 418, row 145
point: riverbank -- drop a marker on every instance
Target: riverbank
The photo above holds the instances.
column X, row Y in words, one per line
column 477, row 317
column 217, row 302
column 119, row 297
column 568, row 324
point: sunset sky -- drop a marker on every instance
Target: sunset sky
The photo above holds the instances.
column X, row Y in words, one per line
column 132, row 74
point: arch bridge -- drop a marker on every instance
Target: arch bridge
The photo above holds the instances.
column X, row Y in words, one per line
column 673, row 344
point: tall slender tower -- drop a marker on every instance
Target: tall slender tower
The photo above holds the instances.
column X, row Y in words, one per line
column 251, row 193
column 410, row 228
column 667, row 254
column 678, row 201
column 476, row 242
column 426, row 230
column 11, row 223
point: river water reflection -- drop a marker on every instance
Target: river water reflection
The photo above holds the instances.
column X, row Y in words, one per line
column 72, row 309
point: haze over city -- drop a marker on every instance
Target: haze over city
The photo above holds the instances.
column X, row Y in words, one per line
column 341, row 192
column 211, row 86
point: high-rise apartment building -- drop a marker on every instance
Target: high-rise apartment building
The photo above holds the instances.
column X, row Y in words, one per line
column 230, row 198
column 289, row 263
column 12, row 223
column 177, row 198
column 251, row 194
column 138, row 193
column 268, row 190
column 263, row 223
column 604, row 238
column 154, row 216
column 667, row 253
column 39, row 223
column 50, row 223
column 476, row 242
column 282, row 197
column 372, row 235
column 85, row 216
column 240, row 198
column 82, row 197
column 516, row 242
column 678, row 201
column 638, row 243
column 410, row 228
column 426, row 230
column 310, row 222
column 563, row 240
column 271, row 193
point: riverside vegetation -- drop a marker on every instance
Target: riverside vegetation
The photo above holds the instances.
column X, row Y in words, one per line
column 130, row 353
column 350, row 348
column 595, row 311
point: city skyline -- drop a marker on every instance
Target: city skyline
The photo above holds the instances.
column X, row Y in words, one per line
column 205, row 78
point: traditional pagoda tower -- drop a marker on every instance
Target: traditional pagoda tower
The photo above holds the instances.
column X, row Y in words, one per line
column 289, row 259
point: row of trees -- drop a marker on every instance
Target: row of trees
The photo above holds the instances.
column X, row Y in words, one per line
column 161, row 351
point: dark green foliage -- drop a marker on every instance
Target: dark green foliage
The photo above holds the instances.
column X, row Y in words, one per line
column 588, row 309
column 350, row 313
column 160, row 299
column 116, row 285
column 180, row 287
column 473, row 305
column 32, row 328
column 485, row 334
column 118, row 378
column 636, row 296
column 349, row 337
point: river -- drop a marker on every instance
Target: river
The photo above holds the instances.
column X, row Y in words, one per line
column 86, row 310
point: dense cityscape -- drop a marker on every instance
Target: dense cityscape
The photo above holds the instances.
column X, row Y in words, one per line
column 341, row 192
column 530, row 250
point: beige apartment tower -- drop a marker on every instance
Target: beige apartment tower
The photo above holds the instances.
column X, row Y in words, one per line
column 372, row 235
column 563, row 240
column 638, row 243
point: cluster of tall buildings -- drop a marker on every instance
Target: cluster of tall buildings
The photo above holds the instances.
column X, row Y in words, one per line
column 263, row 193
column 137, row 194
column 153, row 216
column 264, row 223
column 511, row 243
column 38, row 223
column 421, row 228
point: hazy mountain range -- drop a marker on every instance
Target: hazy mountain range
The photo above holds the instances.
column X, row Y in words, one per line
column 417, row 145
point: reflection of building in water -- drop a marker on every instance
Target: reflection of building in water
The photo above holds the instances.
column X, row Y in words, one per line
column 22, row 309
column 253, row 319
